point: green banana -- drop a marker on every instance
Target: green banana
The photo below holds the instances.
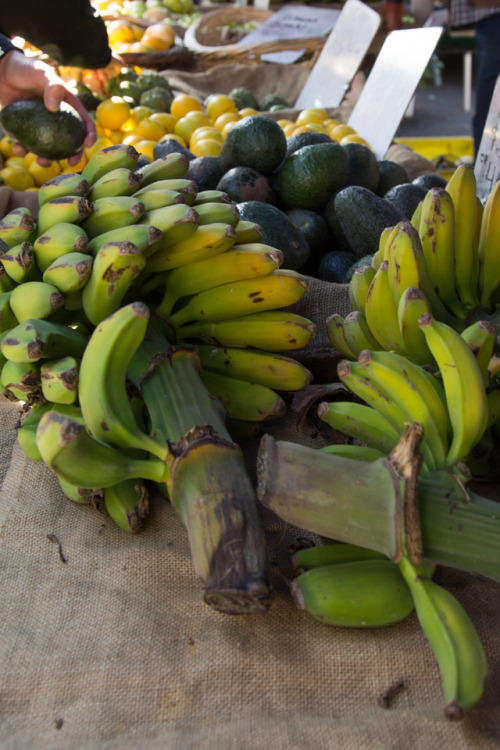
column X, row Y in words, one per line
column 359, row 285
column 26, row 434
column 102, row 394
column 332, row 554
column 120, row 181
column 244, row 400
column 160, row 198
column 453, row 639
column 417, row 215
column 17, row 226
column 112, row 213
column 358, row 334
column 35, row 299
column 208, row 241
column 109, row 158
column 60, row 239
column 212, row 196
column 144, row 236
column 336, row 336
column 488, row 251
column 356, row 452
column 68, row 209
column 81, row 495
column 170, row 167
column 6, row 283
column 21, row 381
column 463, row 385
column 59, row 379
column 239, row 262
column 36, row 339
column 273, row 370
column 247, row 231
column 20, row 263
column 176, row 222
column 7, row 318
column 360, row 594
column 481, row 336
column 381, row 310
column 271, row 330
column 210, row 213
column 360, row 422
column 187, row 188
column 127, row 503
column 115, row 267
column 69, row 273
column 68, row 183
column 412, row 304
column 70, row 451
column 278, row 289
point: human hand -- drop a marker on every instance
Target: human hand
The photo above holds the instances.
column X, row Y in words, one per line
column 25, row 78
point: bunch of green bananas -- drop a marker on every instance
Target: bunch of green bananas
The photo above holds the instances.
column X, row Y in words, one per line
column 121, row 260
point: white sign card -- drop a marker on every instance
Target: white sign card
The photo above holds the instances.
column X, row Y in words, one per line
column 391, row 84
column 292, row 22
column 341, row 56
column 487, row 163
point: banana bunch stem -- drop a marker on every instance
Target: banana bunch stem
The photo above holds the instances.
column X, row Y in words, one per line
column 208, row 484
column 383, row 505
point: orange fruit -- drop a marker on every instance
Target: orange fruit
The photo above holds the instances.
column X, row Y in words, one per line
column 310, row 115
column 224, row 118
column 206, row 131
column 63, row 163
column 217, row 104
column 339, row 131
column 42, row 174
column 247, row 112
column 132, row 140
column 149, row 129
column 17, row 177
column 112, row 113
column 120, row 31
column 354, row 138
column 165, row 119
column 145, row 147
column 183, row 103
column 206, row 147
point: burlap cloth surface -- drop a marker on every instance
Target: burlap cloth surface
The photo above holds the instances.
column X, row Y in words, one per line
column 105, row 641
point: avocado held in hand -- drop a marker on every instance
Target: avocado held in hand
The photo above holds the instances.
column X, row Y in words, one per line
column 51, row 135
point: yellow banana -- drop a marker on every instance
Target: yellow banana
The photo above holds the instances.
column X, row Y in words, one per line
column 357, row 333
column 20, row 381
column 120, row 181
column 208, row 241
column 127, row 503
column 494, row 365
column 360, row 594
column 244, row 400
column 144, row 236
column 61, row 238
column 489, row 251
column 176, row 222
column 360, row 422
column 171, row 166
column 102, row 393
column 35, row 299
column 462, row 187
column 111, row 213
column 42, row 339
column 278, row 289
column 453, row 639
column 69, row 273
column 481, row 336
column 20, row 263
column 187, row 188
column 271, row 330
column 381, row 311
column 59, row 379
column 61, row 185
column 273, row 370
column 239, row 262
column 417, row 215
column 115, row 267
column 106, row 159
column 336, row 337
column 412, row 304
column 17, row 226
column 359, row 285
column 463, row 385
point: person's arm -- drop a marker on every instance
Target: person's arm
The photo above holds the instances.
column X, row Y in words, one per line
column 25, row 78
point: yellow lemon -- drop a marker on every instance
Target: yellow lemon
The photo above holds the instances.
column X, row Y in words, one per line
column 205, row 132
column 101, row 142
column 247, row 112
column 183, row 103
column 174, row 137
column 354, row 138
column 165, row 119
column 150, row 130
column 112, row 113
column 15, row 161
column 224, row 118
column 132, row 140
column 17, row 177
column 145, row 147
column 310, row 115
column 120, row 31
column 217, row 104
column 206, row 147
column 29, row 157
column 63, row 163
column 6, row 146
column 42, row 174
column 339, row 131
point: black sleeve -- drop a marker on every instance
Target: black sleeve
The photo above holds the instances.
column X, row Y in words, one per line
column 69, row 31
column 5, row 45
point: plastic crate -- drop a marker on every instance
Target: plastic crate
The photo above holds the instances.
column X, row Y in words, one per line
column 444, row 152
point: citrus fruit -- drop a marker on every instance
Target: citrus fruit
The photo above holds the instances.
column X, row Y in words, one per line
column 112, row 113
column 149, row 129
column 42, row 174
column 206, row 147
column 183, row 103
column 17, row 177
column 217, row 104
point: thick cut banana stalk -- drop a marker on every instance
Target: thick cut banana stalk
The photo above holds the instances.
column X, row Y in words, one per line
column 115, row 267
column 171, row 166
column 60, row 239
column 244, row 400
column 272, row 330
column 359, row 285
column 69, row 273
column 112, row 213
column 102, row 393
column 381, row 310
column 187, row 188
column 453, row 639
column 437, row 235
column 127, row 503
column 331, row 554
column 20, row 263
column 248, row 231
column 21, row 381
column 26, row 433
column 336, row 336
column 211, row 213
column 61, row 185
column 145, row 237
column 68, row 449
column 208, row 241
column 481, row 336
column 278, row 289
column 176, row 222
column 17, row 226
column 256, row 366
column 356, row 452
column 360, row 594
column 358, row 334
column 489, row 250
column 360, row 422
column 463, row 385
column 120, row 181
column 68, row 209
column 462, row 187
column 7, row 318
column 412, row 304
column 109, row 158
column 212, row 196
column 35, row 299
column 153, row 199
column 36, row 339
column 240, row 262
column 59, row 379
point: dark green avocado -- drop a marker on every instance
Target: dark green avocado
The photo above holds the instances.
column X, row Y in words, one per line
column 52, row 135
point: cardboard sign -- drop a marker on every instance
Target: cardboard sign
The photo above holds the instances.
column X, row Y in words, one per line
column 487, row 165
column 292, row 22
column 391, row 84
column 341, row 56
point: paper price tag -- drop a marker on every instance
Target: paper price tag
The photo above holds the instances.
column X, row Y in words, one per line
column 487, row 164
